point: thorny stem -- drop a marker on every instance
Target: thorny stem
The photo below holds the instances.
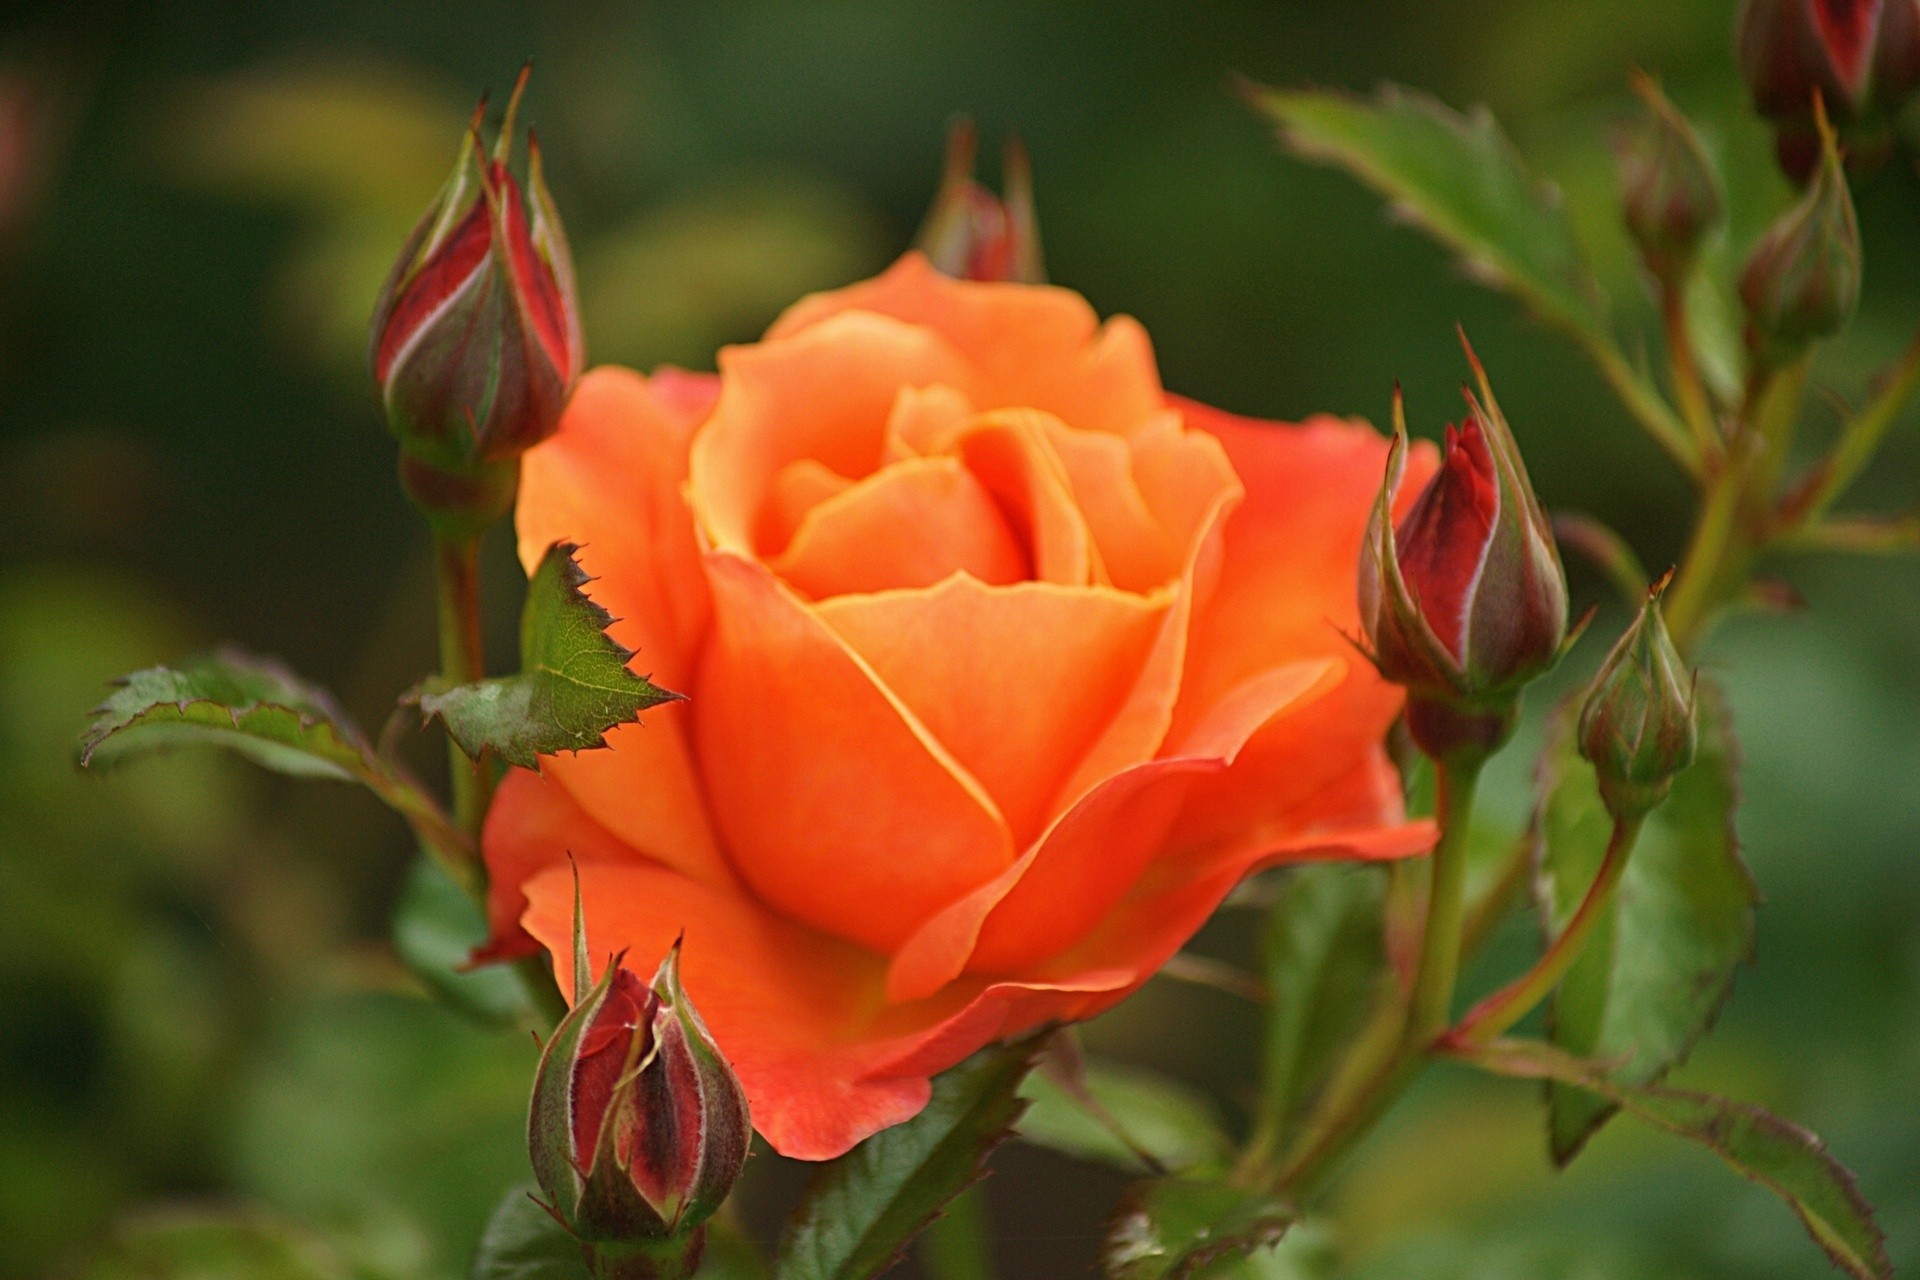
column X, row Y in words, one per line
column 1501, row 1010
column 463, row 661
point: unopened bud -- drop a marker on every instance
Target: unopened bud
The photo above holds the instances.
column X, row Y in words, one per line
column 1669, row 192
column 638, row 1127
column 1465, row 601
column 1638, row 726
column 1861, row 57
column 1802, row 281
column 972, row 234
column 476, row 339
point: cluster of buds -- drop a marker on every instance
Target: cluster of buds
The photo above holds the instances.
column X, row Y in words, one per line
column 1465, row 601
column 1670, row 193
column 972, row 234
column 476, row 336
column 1637, row 726
column 1861, row 57
column 1802, row 280
column 638, row 1127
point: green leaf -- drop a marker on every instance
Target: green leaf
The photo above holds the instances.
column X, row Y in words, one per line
column 1325, row 966
column 1175, row 1228
column 573, row 684
column 1661, row 964
column 1782, row 1157
column 862, row 1209
column 261, row 710
column 231, row 699
column 1459, row 178
column 436, row 926
column 1173, row 1124
column 524, row 1242
column 730, row 1255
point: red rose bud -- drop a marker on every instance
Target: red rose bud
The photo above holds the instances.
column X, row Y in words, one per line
column 1465, row 601
column 972, row 234
column 1670, row 193
column 1802, row 281
column 1861, row 56
column 638, row 1128
column 476, row 338
column 1637, row 726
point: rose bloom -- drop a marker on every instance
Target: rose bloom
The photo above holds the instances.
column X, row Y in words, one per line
column 1003, row 667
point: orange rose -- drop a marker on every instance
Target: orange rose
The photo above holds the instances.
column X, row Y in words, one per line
column 1003, row 668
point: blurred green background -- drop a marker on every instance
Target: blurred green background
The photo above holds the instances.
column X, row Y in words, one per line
column 198, row 1010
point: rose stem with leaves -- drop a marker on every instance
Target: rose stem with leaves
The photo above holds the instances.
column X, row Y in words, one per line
column 462, row 661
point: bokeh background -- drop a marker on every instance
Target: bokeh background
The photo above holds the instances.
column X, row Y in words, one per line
column 198, row 1005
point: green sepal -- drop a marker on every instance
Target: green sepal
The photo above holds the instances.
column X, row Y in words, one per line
column 1784, row 1158
column 550, row 1115
column 573, row 685
column 862, row 1209
column 1658, row 969
column 726, row 1124
column 1178, row 1228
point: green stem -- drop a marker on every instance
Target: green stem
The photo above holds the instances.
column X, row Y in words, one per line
column 1431, row 1006
column 1697, row 586
column 1688, row 387
column 957, row 1245
column 1391, row 1051
column 463, row 661
column 1643, row 402
column 1501, row 1010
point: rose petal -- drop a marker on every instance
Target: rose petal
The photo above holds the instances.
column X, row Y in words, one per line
column 910, row 524
column 610, row 480
column 836, row 805
column 1091, row 856
column 1041, row 348
column 826, row 394
column 1009, row 454
column 823, row 1061
column 532, row 825
column 1014, row 681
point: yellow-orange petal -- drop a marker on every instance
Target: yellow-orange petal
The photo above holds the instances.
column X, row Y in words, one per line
column 825, row 394
column 534, row 825
column 1015, row 681
column 1041, row 348
column 823, row 1060
column 911, row 524
column 1009, row 454
column 610, row 480
column 835, row 804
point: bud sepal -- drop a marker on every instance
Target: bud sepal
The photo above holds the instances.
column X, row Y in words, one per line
column 638, row 1128
column 1464, row 601
column 1670, row 194
column 476, row 338
column 970, row 233
column 1638, row 726
column 1802, row 280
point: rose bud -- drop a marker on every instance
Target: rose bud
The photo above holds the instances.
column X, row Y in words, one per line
column 638, row 1128
column 1802, row 281
column 972, row 234
column 1637, row 726
column 1670, row 193
column 476, row 338
column 1862, row 57
column 1465, row 600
